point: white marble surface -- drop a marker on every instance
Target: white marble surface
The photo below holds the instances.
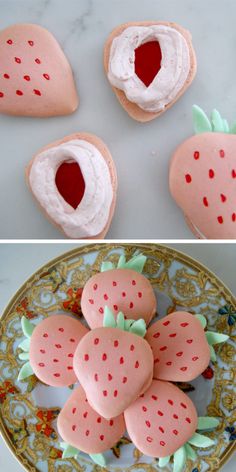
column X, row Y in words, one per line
column 18, row 262
column 141, row 151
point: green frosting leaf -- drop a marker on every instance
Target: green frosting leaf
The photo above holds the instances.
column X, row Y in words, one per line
column 27, row 327
column 226, row 126
column 108, row 319
column 26, row 371
column 217, row 121
column 202, row 320
column 69, row 451
column 212, row 354
column 107, row 265
column 98, row 459
column 163, row 461
column 233, row 128
column 128, row 323
column 190, row 453
column 137, row 263
column 120, row 321
column 201, row 122
column 199, row 440
column 25, row 345
column 139, row 328
column 24, row 356
column 207, row 422
column 179, row 459
column 216, row 338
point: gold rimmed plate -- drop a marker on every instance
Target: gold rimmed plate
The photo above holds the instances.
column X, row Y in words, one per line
column 29, row 409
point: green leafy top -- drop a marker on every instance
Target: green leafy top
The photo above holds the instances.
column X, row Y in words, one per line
column 212, row 337
column 27, row 328
column 217, row 124
column 132, row 326
column 136, row 263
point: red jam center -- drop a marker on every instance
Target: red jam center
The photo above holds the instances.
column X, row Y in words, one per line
column 70, row 183
column 148, row 61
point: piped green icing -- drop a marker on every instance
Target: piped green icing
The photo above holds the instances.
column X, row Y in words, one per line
column 217, row 124
column 137, row 327
column 24, row 356
column 128, row 323
column 25, row 345
column 179, row 459
column 190, row 453
column 98, row 459
column 212, row 354
column 27, row 327
column 216, row 338
column 120, row 320
column 109, row 319
column 163, row 461
column 69, row 451
column 202, row 320
column 26, row 371
column 136, row 263
column 198, row 440
column 207, row 422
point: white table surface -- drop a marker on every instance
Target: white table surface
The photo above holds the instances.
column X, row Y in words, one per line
column 141, row 151
column 221, row 259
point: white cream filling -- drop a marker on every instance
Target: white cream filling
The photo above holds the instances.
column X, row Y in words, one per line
column 170, row 79
column 92, row 213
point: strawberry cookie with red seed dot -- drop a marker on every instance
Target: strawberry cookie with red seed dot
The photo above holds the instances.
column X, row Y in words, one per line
column 123, row 288
column 75, row 184
column 85, row 430
column 49, row 349
column 202, row 177
column 34, row 74
column 149, row 66
column 114, row 364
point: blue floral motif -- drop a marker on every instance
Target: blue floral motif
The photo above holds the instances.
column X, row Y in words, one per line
column 232, row 432
column 230, row 312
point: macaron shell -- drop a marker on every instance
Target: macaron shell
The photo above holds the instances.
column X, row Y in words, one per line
column 162, row 420
column 202, row 181
column 80, row 426
column 179, row 347
column 100, row 145
column 36, row 78
column 52, row 348
column 115, row 289
column 132, row 109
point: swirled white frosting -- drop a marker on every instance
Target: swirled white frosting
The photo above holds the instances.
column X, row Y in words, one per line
column 92, row 213
column 175, row 65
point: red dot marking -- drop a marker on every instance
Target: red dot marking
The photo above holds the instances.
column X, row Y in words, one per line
column 183, row 325
column 27, row 77
column 233, row 217
column 99, row 419
column 102, row 437
column 144, row 408
column 85, row 414
column 222, row 153
column 91, row 301
column 45, row 335
column 6, row 76
column 136, row 365
column 161, row 429
column 162, row 443
column 195, row 358
column 149, row 439
column 96, row 341
column 87, row 432
column 160, row 413
column 95, row 287
column 111, row 422
column 115, row 393
column 37, row 92
column 132, row 347
column 116, row 343
column 131, row 305
column 188, row 178
column 114, row 284
column 9, row 41
column 96, row 377
column 41, row 364
column 156, row 335
column 19, row 92
column 169, row 363
column 205, row 202
column 189, row 341
column 124, row 380
column 42, row 351
column 163, row 348
column 31, row 43
column 154, row 397
column 183, row 369
column 110, row 377
column 86, row 357
column 175, row 432
column 72, row 340
column 156, row 360
column 223, row 197
column 101, row 310
column 179, row 354
column 37, row 60
column 121, row 360
column 123, row 294
column 69, row 367
column 104, row 357
column 61, row 330
column 140, row 294
column 171, row 402
column 188, row 420
column 172, row 335
column 166, row 323
column 115, row 307
column 148, row 424
column 73, row 411
column 1, row 94
column 175, row 417
column 105, row 296
column 133, row 282
column 18, row 60
column 73, row 427
column 196, row 155
column 234, row 174
column 104, row 393
column 211, row 173
column 58, row 346
column 183, row 405
column 220, row 219
column 57, row 375
column 46, row 76
column 55, row 360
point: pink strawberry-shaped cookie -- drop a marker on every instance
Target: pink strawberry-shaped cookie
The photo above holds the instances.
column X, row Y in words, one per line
column 114, row 366
column 121, row 289
column 202, row 177
column 49, row 349
column 167, row 424
column 36, row 78
column 180, row 348
column 85, row 430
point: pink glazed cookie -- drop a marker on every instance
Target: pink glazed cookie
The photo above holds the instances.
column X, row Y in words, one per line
column 202, row 177
column 36, row 78
column 149, row 66
column 49, row 348
column 74, row 182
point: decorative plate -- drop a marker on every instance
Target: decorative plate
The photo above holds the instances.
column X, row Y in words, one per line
column 29, row 409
